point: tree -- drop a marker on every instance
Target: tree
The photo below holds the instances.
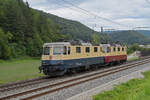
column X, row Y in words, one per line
column 95, row 39
column 5, row 51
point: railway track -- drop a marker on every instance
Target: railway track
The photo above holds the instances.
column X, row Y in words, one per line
column 72, row 82
column 22, row 84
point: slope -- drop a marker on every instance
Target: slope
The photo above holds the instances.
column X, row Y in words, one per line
column 129, row 37
column 23, row 30
column 144, row 32
column 75, row 29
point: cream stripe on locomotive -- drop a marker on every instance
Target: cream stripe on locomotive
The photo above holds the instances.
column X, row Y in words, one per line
column 77, row 52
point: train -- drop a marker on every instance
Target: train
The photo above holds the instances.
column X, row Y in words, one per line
column 59, row 58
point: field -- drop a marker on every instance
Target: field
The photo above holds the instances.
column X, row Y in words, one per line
column 135, row 89
column 133, row 58
column 16, row 70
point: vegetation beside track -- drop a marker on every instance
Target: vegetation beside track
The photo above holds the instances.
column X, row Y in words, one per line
column 135, row 89
column 133, row 58
column 15, row 70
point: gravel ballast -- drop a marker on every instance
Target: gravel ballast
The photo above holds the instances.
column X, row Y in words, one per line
column 83, row 91
column 86, row 90
column 51, row 81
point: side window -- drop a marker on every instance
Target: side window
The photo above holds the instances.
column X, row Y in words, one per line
column 100, row 49
column 114, row 49
column 122, row 49
column 46, row 50
column 65, row 50
column 78, row 49
column 118, row 49
column 69, row 50
column 87, row 49
column 108, row 49
column 95, row 49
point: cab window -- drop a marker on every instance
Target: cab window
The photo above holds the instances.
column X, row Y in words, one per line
column 58, row 50
column 46, row 50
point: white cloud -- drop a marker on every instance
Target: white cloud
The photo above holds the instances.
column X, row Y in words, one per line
column 129, row 12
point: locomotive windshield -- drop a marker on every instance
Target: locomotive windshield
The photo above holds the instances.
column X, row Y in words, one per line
column 58, row 50
column 46, row 50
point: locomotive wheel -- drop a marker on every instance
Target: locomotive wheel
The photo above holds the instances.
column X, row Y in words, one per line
column 62, row 73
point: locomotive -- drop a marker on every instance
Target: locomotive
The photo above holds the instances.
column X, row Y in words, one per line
column 61, row 57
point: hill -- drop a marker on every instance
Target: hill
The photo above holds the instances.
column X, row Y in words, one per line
column 23, row 30
column 75, row 29
column 144, row 32
column 129, row 37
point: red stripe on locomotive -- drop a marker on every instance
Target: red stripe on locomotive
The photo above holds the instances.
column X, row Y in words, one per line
column 115, row 58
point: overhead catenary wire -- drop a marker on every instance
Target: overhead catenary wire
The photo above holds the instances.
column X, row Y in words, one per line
column 148, row 1
column 73, row 8
column 78, row 11
column 95, row 15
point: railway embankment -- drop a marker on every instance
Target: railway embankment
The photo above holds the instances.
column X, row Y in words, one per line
column 77, row 85
column 18, row 70
column 133, row 56
column 102, row 91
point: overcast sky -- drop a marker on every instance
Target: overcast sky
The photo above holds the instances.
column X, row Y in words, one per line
column 131, row 13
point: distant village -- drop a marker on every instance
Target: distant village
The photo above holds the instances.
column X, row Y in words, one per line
column 144, row 46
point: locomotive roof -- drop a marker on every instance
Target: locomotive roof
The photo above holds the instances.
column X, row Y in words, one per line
column 57, row 43
column 69, row 44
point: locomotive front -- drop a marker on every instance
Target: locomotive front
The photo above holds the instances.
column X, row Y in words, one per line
column 52, row 63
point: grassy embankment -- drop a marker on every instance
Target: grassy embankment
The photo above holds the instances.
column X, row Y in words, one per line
column 15, row 70
column 135, row 89
column 25, row 68
column 133, row 58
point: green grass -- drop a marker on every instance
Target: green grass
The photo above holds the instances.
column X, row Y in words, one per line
column 15, row 70
column 135, row 89
column 133, row 58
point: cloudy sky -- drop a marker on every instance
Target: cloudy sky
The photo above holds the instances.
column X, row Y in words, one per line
column 128, row 13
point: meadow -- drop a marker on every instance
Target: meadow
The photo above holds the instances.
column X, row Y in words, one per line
column 15, row 70
column 133, row 58
column 135, row 89
column 22, row 69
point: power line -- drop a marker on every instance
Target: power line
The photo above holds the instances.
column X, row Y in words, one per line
column 97, row 16
column 76, row 10
column 148, row 1
column 81, row 12
column 72, row 8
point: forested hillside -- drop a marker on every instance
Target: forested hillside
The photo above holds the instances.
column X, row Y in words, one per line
column 23, row 30
column 144, row 32
column 129, row 37
column 75, row 29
